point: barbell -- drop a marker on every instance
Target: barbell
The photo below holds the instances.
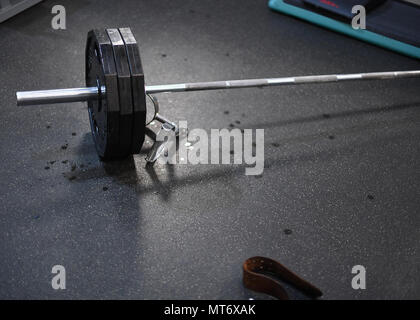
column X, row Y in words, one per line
column 116, row 92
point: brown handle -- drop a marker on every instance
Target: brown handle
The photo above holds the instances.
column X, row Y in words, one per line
column 254, row 279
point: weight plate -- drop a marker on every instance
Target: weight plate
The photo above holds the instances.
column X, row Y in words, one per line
column 124, row 91
column 138, row 92
column 137, row 89
column 104, row 112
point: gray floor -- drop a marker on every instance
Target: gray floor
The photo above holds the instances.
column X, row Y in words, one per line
column 342, row 161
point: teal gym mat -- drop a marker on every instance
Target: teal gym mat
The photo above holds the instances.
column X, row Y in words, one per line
column 365, row 35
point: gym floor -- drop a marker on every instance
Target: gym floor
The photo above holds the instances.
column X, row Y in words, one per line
column 340, row 187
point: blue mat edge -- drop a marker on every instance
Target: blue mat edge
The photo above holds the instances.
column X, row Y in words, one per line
column 341, row 27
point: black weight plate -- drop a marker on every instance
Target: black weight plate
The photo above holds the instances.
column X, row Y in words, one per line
column 104, row 112
column 137, row 89
column 124, row 91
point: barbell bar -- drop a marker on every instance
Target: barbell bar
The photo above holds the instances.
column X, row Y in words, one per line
column 90, row 93
column 116, row 93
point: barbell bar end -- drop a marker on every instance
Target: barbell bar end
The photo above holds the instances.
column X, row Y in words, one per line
column 26, row 98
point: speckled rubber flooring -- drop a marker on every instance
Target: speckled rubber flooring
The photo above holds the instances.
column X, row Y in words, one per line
column 341, row 185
